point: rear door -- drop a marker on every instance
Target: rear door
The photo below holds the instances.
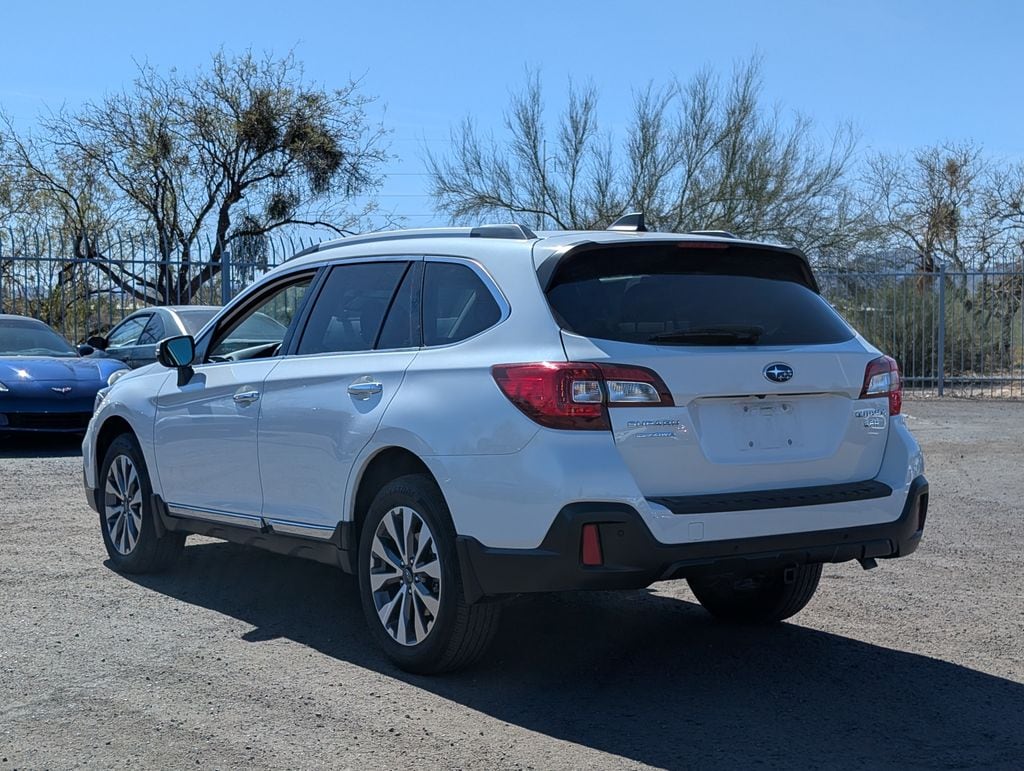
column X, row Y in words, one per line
column 764, row 374
column 322, row 404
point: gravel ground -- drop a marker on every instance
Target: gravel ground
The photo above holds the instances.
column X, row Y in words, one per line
column 239, row 658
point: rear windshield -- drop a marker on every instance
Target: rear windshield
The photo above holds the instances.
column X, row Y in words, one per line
column 651, row 297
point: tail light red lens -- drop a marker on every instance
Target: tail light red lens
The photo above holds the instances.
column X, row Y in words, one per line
column 590, row 546
column 882, row 378
column 545, row 391
column 573, row 395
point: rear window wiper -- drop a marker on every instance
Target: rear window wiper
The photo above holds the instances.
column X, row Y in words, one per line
column 710, row 336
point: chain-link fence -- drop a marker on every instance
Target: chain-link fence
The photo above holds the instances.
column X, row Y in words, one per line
column 953, row 333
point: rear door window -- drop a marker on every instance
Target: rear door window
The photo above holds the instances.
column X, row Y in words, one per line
column 640, row 296
column 350, row 309
column 154, row 331
column 456, row 304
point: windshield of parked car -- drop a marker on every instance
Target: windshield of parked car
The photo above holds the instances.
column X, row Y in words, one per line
column 195, row 320
column 31, row 338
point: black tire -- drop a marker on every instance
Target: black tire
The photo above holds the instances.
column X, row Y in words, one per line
column 460, row 633
column 150, row 553
column 758, row 598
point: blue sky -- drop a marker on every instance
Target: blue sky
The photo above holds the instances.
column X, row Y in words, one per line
column 906, row 73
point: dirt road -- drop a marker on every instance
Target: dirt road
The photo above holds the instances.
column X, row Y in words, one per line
column 239, row 658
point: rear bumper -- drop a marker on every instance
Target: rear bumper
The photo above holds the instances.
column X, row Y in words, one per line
column 633, row 558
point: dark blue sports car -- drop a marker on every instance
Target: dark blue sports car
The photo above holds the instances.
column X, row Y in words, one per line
column 44, row 384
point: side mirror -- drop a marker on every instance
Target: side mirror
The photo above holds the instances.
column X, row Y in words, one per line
column 97, row 342
column 178, row 353
column 84, row 349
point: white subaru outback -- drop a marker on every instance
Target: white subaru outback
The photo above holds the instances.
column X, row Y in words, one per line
column 459, row 415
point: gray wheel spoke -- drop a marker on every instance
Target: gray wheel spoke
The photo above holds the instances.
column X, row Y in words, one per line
column 429, row 601
column 389, row 523
column 122, row 540
column 432, row 569
column 380, row 580
column 381, row 552
column 419, row 625
column 407, row 535
column 403, row 616
column 387, row 610
column 114, row 526
column 405, row 575
column 425, row 540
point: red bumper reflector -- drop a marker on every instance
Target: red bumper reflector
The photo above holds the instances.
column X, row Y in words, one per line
column 591, row 546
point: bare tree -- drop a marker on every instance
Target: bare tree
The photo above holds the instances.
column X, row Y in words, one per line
column 699, row 154
column 951, row 204
column 226, row 155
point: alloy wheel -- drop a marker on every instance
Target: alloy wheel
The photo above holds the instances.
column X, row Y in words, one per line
column 122, row 506
column 405, row 575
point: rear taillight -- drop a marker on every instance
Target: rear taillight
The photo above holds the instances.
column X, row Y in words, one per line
column 576, row 396
column 882, row 378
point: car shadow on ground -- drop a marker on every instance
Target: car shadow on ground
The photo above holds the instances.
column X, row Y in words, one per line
column 41, row 445
column 648, row 678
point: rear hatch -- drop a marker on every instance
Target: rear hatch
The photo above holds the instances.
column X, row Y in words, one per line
column 764, row 375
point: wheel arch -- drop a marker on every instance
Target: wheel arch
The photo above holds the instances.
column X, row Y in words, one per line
column 112, row 427
column 378, row 469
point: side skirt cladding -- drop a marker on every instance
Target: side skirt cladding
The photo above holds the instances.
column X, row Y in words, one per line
column 338, row 550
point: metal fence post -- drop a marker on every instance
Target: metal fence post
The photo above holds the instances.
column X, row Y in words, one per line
column 942, row 329
column 2, row 275
column 225, row 276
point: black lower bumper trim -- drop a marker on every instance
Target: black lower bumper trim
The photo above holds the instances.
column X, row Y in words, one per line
column 633, row 558
column 775, row 499
column 70, row 422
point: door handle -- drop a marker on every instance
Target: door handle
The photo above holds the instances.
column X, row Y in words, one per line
column 246, row 397
column 364, row 389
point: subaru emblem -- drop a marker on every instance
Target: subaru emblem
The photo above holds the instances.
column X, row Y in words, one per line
column 778, row 372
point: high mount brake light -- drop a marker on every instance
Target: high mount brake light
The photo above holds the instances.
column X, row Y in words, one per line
column 574, row 395
column 702, row 245
column 882, row 378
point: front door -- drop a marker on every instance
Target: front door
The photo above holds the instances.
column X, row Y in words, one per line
column 322, row 405
column 205, row 431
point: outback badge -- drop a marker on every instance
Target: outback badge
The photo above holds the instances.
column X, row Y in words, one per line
column 778, row 372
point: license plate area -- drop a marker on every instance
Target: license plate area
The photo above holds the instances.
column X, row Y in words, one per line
column 767, row 426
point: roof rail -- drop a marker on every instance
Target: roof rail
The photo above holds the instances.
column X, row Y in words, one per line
column 510, row 231
column 630, row 223
column 716, row 233
column 513, row 230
